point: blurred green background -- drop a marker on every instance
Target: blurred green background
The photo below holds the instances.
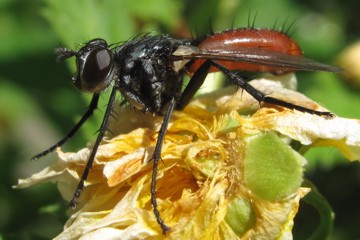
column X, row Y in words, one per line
column 38, row 103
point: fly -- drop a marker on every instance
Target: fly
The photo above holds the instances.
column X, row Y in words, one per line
column 148, row 72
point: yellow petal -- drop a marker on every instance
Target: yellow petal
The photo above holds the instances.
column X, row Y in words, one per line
column 201, row 179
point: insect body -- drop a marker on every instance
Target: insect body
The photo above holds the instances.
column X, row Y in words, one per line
column 148, row 72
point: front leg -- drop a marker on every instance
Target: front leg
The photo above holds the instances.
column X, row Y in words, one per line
column 99, row 138
column 87, row 114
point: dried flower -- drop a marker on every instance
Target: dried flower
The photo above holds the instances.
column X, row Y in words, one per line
column 227, row 169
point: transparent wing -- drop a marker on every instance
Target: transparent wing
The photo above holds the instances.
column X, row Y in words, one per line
column 258, row 56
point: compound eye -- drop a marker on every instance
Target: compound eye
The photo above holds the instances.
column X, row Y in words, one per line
column 96, row 67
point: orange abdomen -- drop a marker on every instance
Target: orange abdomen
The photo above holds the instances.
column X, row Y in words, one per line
column 234, row 40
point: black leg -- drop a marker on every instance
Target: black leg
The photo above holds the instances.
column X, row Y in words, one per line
column 261, row 97
column 194, row 84
column 156, row 157
column 87, row 114
column 99, row 138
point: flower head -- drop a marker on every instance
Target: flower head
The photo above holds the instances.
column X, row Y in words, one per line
column 227, row 170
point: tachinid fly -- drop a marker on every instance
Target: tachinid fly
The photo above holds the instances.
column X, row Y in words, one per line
column 148, row 72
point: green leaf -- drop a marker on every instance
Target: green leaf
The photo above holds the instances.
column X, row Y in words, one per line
column 273, row 169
